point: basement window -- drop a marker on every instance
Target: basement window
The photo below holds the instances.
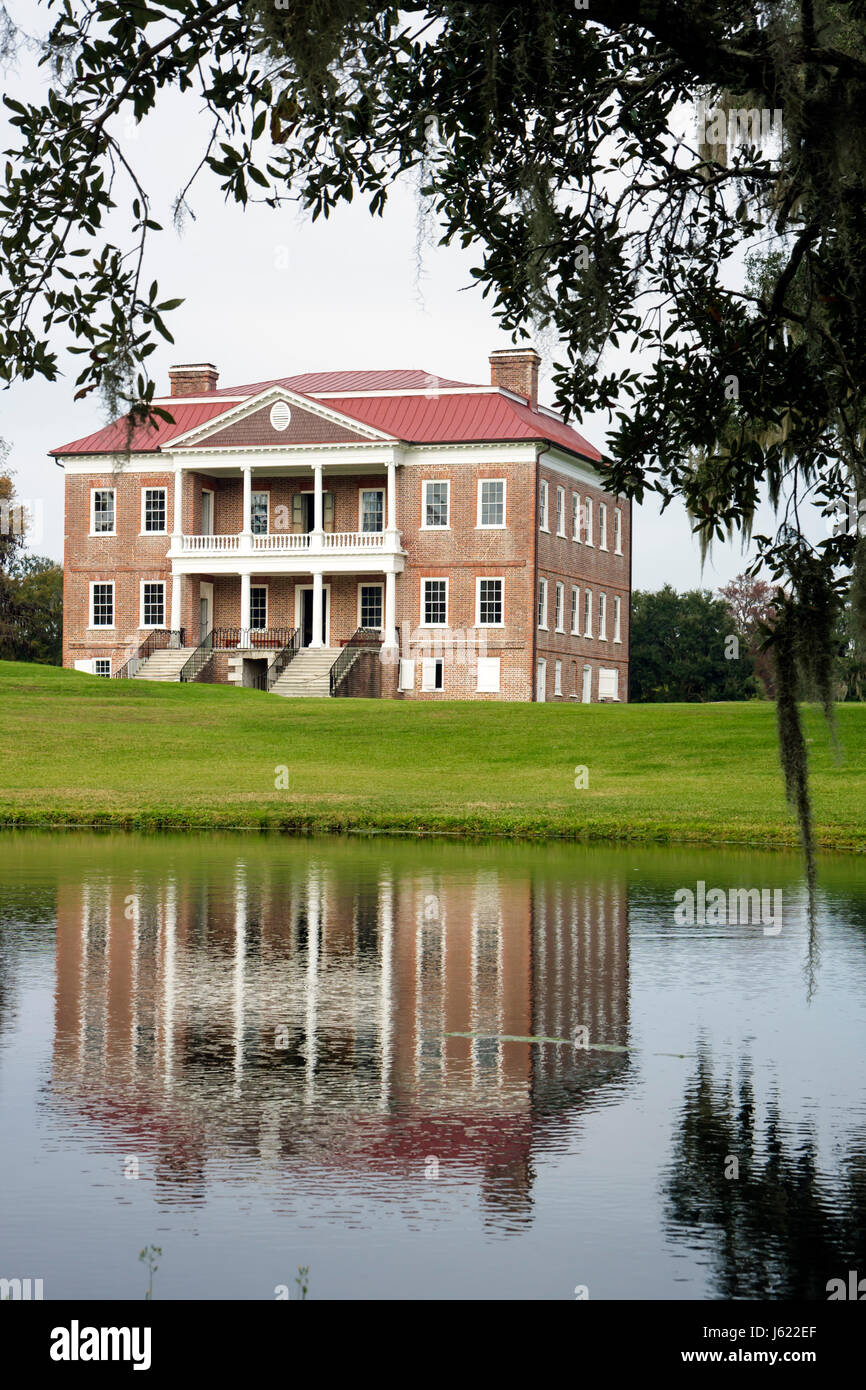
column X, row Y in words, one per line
column 432, row 673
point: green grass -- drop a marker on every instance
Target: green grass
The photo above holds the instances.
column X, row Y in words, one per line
column 78, row 750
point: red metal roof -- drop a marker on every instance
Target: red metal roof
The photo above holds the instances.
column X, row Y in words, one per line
column 469, row 415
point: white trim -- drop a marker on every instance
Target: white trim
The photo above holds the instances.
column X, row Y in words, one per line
column 541, row 680
column 560, row 510
column 250, row 405
column 617, row 619
column 617, row 530
column 154, row 487
column 425, row 483
column 543, row 506
column 205, row 584
column 266, row 493
column 608, row 672
column 586, row 686
column 499, row 579
column 491, row 525
column 542, row 587
column 588, row 524
column 557, row 676
column 434, row 579
column 602, row 526
column 371, row 584
column 559, row 603
column 587, row 612
column 575, row 517
column 211, row 493
column 602, row 616
column 428, row 668
column 102, row 627
column 151, row 627
column 575, row 610
column 326, row 630
column 93, row 491
column 383, row 491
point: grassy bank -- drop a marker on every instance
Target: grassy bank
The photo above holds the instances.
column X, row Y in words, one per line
column 80, row 751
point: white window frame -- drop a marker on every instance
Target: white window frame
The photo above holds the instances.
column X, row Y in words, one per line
column 93, row 492
column 587, row 522
column 434, row 579
column 608, row 671
column 209, row 492
column 144, row 491
column 428, row 674
column 261, row 492
column 541, row 603
column 617, row 531
column 587, row 700
column 490, row 579
column 381, row 492
column 151, row 627
column 560, row 511
column 106, row 659
column 543, row 503
column 488, row 675
column 367, row 584
column 575, row 517
column 267, row 589
column 439, row 482
column 541, row 680
column 575, row 610
column 602, row 617
column 559, row 606
column 602, row 526
column 491, row 525
column 587, row 612
column 557, row 677
column 617, row 619
column 92, row 624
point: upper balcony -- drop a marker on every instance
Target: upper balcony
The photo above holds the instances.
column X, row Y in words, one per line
column 285, row 552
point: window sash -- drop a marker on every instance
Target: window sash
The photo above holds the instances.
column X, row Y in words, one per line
column 154, row 509
column 102, row 605
column 617, row 531
column 259, row 513
column 587, row 521
column 575, row 611
column 101, row 661
column 560, row 511
column 602, row 526
column 587, row 612
column 491, row 510
column 602, row 617
column 435, row 602
column 559, row 597
column 258, row 607
column 372, row 510
column 617, row 619
column 104, row 511
column 542, row 603
column 371, row 606
column 153, row 604
column 436, row 505
column 575, row 517
column 490, row 603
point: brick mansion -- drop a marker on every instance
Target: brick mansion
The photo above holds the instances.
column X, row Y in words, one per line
column 370, row 533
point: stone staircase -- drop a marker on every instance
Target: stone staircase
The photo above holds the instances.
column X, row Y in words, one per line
column 164, row 664
column 307, row 675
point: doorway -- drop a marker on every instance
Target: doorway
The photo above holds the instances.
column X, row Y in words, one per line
column 205, row 604
column 304, row 613
column 587, row 685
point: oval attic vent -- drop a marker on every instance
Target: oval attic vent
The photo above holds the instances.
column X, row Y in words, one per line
column 280, row 415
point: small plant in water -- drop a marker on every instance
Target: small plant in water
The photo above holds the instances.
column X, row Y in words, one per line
column 303, row 1281
column 148, row 1256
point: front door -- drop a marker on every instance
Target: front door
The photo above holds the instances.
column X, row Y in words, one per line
column 205, row 604
column 306, row 623
column 587, row 685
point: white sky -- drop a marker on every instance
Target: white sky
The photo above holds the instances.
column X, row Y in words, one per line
column 269, row 294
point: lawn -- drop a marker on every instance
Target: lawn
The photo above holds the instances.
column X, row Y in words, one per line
column 79, row 750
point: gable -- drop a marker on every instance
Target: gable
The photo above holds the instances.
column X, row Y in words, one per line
column 255, row 430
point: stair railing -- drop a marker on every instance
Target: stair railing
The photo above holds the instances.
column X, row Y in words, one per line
column 157, row 640
column 201, row 657
column 282, row 659
column 362, row 639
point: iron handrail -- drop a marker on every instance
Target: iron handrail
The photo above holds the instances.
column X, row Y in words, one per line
column 282, row 659
column 192, row 669
column 157, row 640
column 227, row 638
column 362, row 639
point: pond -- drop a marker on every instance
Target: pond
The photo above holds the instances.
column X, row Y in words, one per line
column 427, row 1069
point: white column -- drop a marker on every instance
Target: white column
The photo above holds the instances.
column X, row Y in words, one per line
column 391, row 524
column 245, row 604
column 390, row 640
column 318, row 636
column 177, row 515
column 247, row 527
column 175, row 603
column 318, row 502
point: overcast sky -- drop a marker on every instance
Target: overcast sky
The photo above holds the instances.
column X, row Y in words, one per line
column 269, row 294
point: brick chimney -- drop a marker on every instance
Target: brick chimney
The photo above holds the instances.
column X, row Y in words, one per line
column 193, row 379
column 516, row 369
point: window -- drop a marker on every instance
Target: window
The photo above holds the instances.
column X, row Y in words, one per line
column 575, row 517
column 258, row 607
column 617, row 618
column 153, row 510
column 608, row 684
column 587, row 520
column 102, row 666
column 560, row 511
column 491, row 502
column 435, row 506
column 372, row 509
column 586, row 693
column 587, row 612
column 488, row 603
column 153, row 604
column 541, row 680
column 575, row 611
column 434, row 602
column 370, row 605
column 560, row 600
column 557, row 678
column 432, row 673
column 102, row 511
column 102, row 605
column 259, row 510
column 542, row 505
column 617, row 531
column 542, row 603
column 602, row 617
column 602, row 526
column 207, row 512
column 488, row 675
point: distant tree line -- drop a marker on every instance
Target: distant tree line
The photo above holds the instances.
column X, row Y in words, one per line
column 697, row 646
column 31, row 592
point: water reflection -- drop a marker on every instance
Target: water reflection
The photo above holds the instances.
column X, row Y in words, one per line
column 265, row 1022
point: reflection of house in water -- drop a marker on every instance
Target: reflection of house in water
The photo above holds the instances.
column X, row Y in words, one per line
column 266, row 1020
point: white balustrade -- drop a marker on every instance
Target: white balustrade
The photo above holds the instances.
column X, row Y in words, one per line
column 354, row 540
column 283, row 541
